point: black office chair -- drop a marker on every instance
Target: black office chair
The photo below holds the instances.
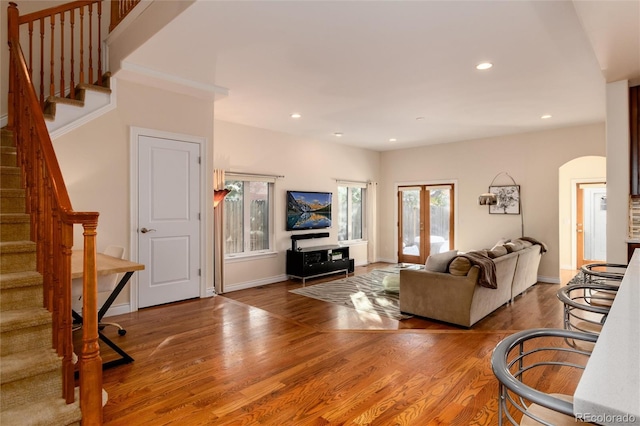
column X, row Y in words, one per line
column 533, row 358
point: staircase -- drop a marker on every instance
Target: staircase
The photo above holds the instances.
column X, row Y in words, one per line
column 37, row 356
column 72, row 110
column 30, row 370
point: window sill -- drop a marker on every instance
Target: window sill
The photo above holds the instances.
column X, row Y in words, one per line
column 249, row 257
column 352, row 243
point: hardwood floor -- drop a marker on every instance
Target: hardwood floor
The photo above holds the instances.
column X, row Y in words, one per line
column 266, row 356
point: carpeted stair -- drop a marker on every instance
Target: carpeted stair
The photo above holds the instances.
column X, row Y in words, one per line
column 30, row 370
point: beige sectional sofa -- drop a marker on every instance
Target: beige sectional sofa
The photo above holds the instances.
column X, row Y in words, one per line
column 455, row 295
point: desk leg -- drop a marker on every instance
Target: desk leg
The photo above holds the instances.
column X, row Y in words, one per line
column 112, row 297
column 125, row 357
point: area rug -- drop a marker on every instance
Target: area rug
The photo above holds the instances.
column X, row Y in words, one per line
column 361, row 292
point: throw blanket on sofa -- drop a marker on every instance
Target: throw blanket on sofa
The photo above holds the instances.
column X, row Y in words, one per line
column 487, row 277
column 543, row 246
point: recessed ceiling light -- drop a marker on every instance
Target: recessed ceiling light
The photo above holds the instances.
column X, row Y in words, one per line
column 484, row 66
column 337, row 134
column 419, row 118
column 296, row 115
column 544, row 117
column 393, row 140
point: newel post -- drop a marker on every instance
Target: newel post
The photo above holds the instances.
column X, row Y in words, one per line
column 12, row 34
column 90, row 360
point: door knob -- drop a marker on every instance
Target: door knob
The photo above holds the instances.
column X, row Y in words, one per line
column 145, row 230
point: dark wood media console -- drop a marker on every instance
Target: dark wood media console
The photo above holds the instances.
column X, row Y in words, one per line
column 317, row 261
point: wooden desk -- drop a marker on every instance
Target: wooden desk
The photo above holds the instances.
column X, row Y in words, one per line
column 106, row 265
column 609, row 390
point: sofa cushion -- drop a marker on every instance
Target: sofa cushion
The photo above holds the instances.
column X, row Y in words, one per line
column 460, row 266
column 497, row 251
column 440, row 262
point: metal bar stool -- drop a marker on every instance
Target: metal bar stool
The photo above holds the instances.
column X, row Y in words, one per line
column 607, row 273
column 603, row 273
column 584, row 310
column 536, row 356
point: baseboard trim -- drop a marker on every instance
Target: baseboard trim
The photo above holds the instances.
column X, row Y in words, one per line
column 256, row 283
column 550, row 280
column 123, row 308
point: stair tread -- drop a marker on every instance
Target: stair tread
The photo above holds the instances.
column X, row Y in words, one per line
column 20, row 365
column 15, row 218
column 66, row 101
column 12, row 192
column 16, row 319
column 17, row 246
column 10, row 170
column 97, row 88
column 20, row 279
column 48, row 411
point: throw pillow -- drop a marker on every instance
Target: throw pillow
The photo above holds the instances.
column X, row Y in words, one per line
column 525, row 243
column 482, row 252
column 440, row 262
column 515, row 245
column 497, row 251
column 502, row 241
column 460, row 266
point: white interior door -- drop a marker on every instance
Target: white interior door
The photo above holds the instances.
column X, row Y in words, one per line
column 168, row 220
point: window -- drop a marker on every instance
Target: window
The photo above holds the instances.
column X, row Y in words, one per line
column 351, row 208
column 248, row 212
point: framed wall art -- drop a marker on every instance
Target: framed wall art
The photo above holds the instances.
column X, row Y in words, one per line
column 508, row 199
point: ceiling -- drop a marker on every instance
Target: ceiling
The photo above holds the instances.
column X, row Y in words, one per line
column 405, row 70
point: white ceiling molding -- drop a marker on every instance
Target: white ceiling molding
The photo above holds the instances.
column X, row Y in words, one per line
column 158, row 79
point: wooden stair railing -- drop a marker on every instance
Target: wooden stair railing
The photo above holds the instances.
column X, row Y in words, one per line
column 67, row 43
column 52, row 220
column 119, row 10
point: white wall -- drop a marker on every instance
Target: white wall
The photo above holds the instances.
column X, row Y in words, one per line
column 94, row 160
column 306, row 166
column 533, row 159
column 617, row 171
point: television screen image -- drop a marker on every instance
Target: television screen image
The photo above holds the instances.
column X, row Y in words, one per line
column 308, row 210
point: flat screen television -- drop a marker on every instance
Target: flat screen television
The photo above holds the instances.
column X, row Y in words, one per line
column 308, row 210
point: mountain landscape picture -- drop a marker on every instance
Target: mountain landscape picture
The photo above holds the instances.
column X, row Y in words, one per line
column 308, row 210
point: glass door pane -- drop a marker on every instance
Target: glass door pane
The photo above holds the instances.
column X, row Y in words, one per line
column 440, row 219
column 410, row 225
column 595, row 224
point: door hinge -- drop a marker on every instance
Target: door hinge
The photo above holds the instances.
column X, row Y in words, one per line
column 199, row 272
column 199, row 216
column 199, row 160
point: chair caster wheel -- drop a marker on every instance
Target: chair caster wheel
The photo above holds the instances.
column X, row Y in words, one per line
column 122, row 332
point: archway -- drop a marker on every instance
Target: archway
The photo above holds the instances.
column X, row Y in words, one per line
column 586, row 169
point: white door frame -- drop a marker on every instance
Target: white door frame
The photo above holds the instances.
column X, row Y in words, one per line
column 134, row 134
column 574, row 214
column 396, row 187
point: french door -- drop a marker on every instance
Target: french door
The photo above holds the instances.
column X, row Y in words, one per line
column 425, row 221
